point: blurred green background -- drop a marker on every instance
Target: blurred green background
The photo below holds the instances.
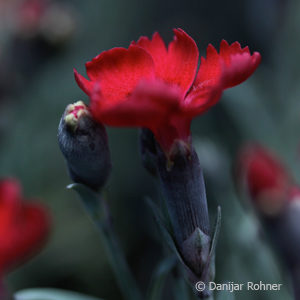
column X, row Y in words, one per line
column 37, row 84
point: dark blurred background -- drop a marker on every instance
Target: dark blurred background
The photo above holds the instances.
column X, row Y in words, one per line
column 40, row 46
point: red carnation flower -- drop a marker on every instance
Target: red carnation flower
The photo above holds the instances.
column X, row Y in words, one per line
column 262, row 170
column 23, row 226
column 266, row 179
column 158, row 87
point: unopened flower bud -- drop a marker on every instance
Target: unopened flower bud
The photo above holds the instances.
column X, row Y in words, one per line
column 84, row 145
column 264, row 178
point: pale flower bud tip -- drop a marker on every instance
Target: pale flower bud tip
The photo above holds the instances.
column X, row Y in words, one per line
column 73, row 114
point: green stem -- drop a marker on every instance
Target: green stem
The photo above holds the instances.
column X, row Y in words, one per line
column 117, row 260
column 99, row 213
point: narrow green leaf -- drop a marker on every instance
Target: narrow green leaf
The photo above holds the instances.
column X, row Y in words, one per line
column 50, row 294
column 159, row 277
column 216, row 232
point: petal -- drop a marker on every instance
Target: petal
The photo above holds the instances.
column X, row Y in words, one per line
column 233, row 63
column 219, row 71
column 118, row 71
column 23, row 227
column 208, row 87
column 24, row 239
column 227, row 50
column 202, row 97
column 35, row 228
column 147, row 106
column 239, row 63
column 83, row 83
column 210, row 68
column 156, row 47
column 177, row 64
column 154, row 105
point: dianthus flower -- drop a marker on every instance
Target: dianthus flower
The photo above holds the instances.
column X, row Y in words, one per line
column 24, row 226
column 267, row 181
column 158, row 87
column 263, row 172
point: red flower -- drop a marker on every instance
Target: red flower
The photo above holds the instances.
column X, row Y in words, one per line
column 263, row 171
column 23, row 226
column 150, row 85
column 267, row 181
